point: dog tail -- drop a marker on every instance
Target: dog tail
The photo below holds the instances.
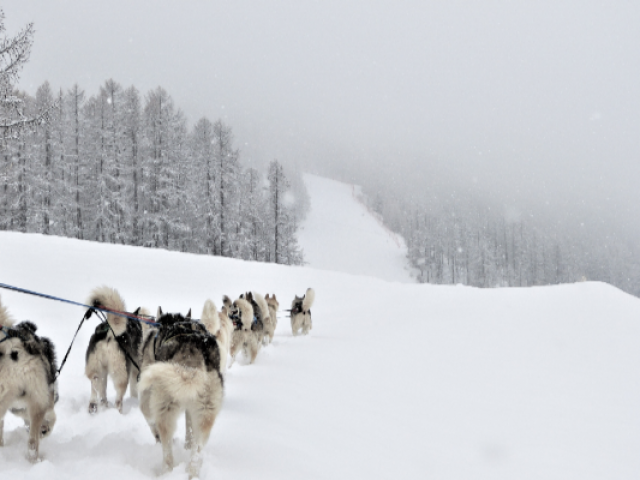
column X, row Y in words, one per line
column 5, row 318
column 178, row 384
column 226, row 301
column 262, row 305
column 246, row 313
column 110, row 299
column 210, row 317
column 309, row 297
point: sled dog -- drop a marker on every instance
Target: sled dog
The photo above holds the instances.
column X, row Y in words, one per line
column 301, row 312
column 180, row 373
column 28, row 384
column 270, row 326
column 111, row 348
column 260, row 316
column 243, row 337
column 218, row 324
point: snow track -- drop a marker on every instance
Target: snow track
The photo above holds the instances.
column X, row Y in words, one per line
column 340, row 234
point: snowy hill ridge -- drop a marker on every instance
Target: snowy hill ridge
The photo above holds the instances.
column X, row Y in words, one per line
column 395, row 381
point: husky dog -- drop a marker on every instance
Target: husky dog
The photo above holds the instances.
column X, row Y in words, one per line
column 111, row 348
column 260, row 316
column 301, row 312
column 27, row 379
column 243, row 338
column 180, row 372
column 221, row 326
column 270, row 326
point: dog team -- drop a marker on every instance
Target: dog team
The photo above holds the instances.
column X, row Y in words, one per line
column 171, row 363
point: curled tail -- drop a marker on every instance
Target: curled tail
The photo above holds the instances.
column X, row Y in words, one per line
column 5, row 318
column 110, row 299
column 210, row 317
column 308, row 299
column 262, row 306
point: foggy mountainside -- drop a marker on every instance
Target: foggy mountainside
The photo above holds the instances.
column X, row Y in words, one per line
column 456, row 235
column 117, row 168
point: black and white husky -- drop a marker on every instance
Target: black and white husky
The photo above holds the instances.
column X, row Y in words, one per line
column 243, row 337
column 27, row 379
column 111, row 348
column 261, row 317
column 180, row 373
column 301, row 312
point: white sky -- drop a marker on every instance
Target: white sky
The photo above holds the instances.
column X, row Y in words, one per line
column 538, row 98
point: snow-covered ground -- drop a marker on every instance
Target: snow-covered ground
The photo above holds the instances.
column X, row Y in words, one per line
column 396, row 380
column 341, row 235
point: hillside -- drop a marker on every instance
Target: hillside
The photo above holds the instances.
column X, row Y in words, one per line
column 396, row 380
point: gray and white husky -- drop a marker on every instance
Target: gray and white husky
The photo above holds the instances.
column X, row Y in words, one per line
column 261, row 317
column 301, row 312
column 27, row 379
column 111, row 348
column 270, row 326
column 180, row 373
column 220, row 325
column 243, row 338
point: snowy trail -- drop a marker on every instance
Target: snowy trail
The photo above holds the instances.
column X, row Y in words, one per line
column 395, row 381
column 337, row 227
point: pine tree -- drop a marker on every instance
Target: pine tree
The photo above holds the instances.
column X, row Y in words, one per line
column 284, row 243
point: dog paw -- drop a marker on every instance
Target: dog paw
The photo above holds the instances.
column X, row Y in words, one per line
column 167, row 466
column 93, row 408
column 32, row 454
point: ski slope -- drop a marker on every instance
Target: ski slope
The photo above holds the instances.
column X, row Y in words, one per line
column 396, row 380
column 341, row 235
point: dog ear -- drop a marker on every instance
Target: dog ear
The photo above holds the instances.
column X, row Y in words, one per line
column 159, row 312
column 224, row 310
column 266, row 297
column 274, row 297
column 137, row 311
column 189, row 315
column 249, row 297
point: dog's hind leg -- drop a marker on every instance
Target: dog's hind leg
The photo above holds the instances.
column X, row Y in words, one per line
column 166, row 427
column 120, row 377
column 145, row 408
column 98, row 390
column 133, row 382
column 203, row 420
column 306, row 324
column 188, row 439
column 36, row 416
column 4, row 406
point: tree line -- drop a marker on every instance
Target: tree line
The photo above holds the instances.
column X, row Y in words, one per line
column 121, row 168
column 456, row 238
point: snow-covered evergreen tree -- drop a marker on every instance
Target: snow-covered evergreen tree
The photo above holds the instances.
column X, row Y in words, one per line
column 284, row 245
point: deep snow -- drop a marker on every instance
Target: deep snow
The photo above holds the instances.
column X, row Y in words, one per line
column 395, row 381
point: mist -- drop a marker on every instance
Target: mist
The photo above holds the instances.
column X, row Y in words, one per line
column 531, row 105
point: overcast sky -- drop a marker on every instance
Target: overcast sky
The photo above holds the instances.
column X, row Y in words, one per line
column 538, row 98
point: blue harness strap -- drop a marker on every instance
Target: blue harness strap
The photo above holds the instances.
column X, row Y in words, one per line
column 71, row 302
